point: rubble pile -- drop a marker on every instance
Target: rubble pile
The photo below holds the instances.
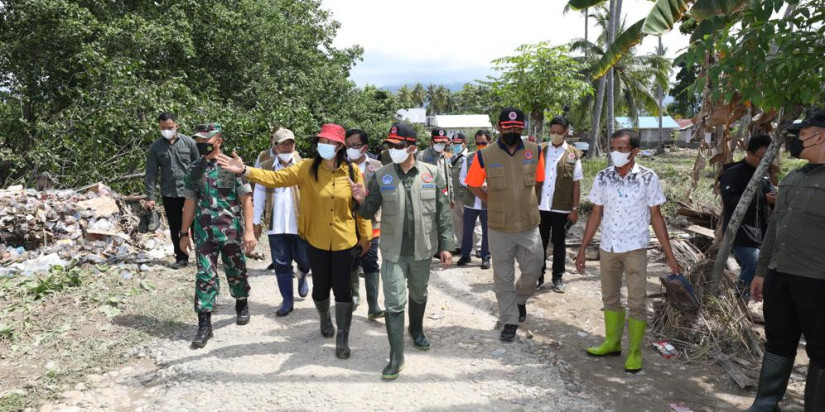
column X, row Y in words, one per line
column 40, row 229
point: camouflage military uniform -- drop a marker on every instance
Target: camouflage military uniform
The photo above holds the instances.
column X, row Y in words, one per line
column 217, row 229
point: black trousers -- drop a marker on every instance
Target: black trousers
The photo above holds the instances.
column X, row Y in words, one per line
column 368, row 262
column 174, row 216
column 794, row 305
column 552, row 222
column 331, row 270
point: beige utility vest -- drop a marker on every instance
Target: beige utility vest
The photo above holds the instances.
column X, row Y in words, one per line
column 267, row 162
column 459, row 190
column 393, row 203
column 469, row 197
column 512, row 205
column 563, row 192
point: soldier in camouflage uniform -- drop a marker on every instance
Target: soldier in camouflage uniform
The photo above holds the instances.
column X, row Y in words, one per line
column 215, row 198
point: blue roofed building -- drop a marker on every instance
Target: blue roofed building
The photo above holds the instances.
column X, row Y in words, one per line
column 648, row 129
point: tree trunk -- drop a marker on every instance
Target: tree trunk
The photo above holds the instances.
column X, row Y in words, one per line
column 611, row 35
column 742, row 207
column 595, row 128
column 661, row 96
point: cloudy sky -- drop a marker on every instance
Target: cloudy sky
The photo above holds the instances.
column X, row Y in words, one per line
column 449, row 41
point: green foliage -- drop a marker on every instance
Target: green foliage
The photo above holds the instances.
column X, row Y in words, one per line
column 540, row 79
column 583, row 4
column 663, row 16
column 623, row 42
column 685, row 99
column 84, row 80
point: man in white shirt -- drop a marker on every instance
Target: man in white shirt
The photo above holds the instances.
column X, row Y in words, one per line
column 277, row 210
column 630, row 196
column 474, row 209
column 559, row 197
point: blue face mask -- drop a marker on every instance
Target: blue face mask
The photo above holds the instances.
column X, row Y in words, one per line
column 457, row 148
column 326, row 150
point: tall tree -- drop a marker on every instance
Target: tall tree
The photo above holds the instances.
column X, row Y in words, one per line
column 404, row 97
column 419, row 95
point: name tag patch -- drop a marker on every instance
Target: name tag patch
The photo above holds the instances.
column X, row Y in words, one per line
column 428, row 186
column 387, row 188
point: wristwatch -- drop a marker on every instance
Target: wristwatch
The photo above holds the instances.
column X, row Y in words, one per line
column 183, row 234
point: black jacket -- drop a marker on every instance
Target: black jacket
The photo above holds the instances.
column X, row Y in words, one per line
column 732, row 184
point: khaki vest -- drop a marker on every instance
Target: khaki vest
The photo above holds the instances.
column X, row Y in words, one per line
column 458, row 189
column 432, row 157
column 512, row 205
column 563, row 193
column 393, row 202
column 267, row 162
column 469, row 198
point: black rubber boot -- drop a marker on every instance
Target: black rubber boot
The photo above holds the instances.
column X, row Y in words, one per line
column 356, row 288
column 371, row 284
column 204, row 329
column 395, row 334
column 343, row 318
column 522, row 312
column 417, row 325
column 773, row 381
column 326, row 320
column 815, row 389
column 242, row 309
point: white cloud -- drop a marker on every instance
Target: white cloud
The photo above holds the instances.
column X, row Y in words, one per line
column 444, row 41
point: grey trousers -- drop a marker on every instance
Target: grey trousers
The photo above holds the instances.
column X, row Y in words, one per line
column 506, row 249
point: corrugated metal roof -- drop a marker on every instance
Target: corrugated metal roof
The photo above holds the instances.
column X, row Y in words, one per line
column 647, row 122
column 463, row 121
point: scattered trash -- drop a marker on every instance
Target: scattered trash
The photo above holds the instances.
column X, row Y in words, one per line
column 498, row 353
column 581, row 334
column 679, row 407
column 666, row 349
column 529, row 334
column 435, row 316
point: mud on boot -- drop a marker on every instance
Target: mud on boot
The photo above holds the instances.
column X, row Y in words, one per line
column 395, row 334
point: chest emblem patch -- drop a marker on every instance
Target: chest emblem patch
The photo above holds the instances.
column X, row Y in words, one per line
column 528, row 154
column 427, row 178
column 571, row 156
column 387, row 180
column 371, row 168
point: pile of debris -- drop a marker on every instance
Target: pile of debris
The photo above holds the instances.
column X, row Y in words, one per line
column 40, row 229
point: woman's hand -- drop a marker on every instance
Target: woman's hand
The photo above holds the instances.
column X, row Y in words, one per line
column 233, row 164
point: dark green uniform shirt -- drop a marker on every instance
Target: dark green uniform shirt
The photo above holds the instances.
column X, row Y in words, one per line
column 217, row 194
column 795, row 241
column 171, row 160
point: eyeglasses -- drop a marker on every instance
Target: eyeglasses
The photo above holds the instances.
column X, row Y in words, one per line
column 397, row 146
column 355, row 146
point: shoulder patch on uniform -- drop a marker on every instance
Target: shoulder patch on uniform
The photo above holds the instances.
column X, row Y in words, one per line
column 387, row 179
column 528, row 154
column 571, row 156
column 427, row 177
column 371, row 168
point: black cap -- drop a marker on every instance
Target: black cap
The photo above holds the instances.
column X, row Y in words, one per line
column 400, row 132
column 511, row 117
column 459, row 138
column 815, row 119
column 439, row 135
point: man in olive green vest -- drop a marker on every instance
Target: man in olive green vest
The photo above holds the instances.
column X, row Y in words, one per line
column 459, row 142
column 512, row 169
column 559, row 197
column 415, row 210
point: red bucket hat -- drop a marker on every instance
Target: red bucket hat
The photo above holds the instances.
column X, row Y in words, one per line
column 333, row 132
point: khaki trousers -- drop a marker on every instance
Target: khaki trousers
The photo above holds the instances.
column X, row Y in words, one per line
column 633, row 265
column 506, row 249
column 458, row 228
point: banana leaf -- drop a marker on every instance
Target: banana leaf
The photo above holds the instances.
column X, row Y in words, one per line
column 577, row 5
column 623, row 42
column 663, row 16
column 704, row 9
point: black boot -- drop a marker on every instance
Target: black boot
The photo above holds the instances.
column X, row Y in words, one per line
column 371, row 284
column 356, row 288
column 773, row 380
column 417, row 325
column 326, row 320
column 242, row 309
column 815, row 389
column 343, row 318
column 522, row 312
column 395, row 333
column 204, row 329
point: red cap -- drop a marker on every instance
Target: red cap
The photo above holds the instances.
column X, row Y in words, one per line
column 333, row 132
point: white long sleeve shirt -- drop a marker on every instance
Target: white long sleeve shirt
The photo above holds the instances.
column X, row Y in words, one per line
column 284, row 209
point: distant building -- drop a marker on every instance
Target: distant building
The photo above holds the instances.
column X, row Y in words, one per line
column 417, row 115
column 648, row 129
column 686, row 130
column 462, row 123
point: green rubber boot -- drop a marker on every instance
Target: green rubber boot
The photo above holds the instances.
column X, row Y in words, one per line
column 371, row 284
column 416, row 329
column 395, row 333
column 356, row 289
column 613, row 328
column 635, row 334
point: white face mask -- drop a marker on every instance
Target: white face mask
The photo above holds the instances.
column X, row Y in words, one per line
column 354, row 154
column 398, row 156
column 285, row 157
column 620, row 159
column 439, row 147
column 168, row 134
column 326, row 150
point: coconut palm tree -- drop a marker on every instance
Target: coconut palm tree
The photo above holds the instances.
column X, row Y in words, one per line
column 405, row 97
column 419, row 96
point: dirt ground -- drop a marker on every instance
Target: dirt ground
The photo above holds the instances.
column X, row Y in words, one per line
column 284, row 364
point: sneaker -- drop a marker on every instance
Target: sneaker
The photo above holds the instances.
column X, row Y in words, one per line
column 457, row 251
column 522, row 313
column 558, row 286
column 463, row 261
column 485, row 263
column 508, row 334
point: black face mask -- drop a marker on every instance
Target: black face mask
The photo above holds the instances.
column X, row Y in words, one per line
column 795, row 147
column 205, row 148
column 511, row 139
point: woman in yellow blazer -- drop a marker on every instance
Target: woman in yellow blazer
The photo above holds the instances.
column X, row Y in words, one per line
column 326, row 221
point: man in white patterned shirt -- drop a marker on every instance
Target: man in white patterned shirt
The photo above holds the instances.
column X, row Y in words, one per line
column 629, row 195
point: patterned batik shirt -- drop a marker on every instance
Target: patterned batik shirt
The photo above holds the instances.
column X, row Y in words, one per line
column 627, row 202
column 217, row 194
